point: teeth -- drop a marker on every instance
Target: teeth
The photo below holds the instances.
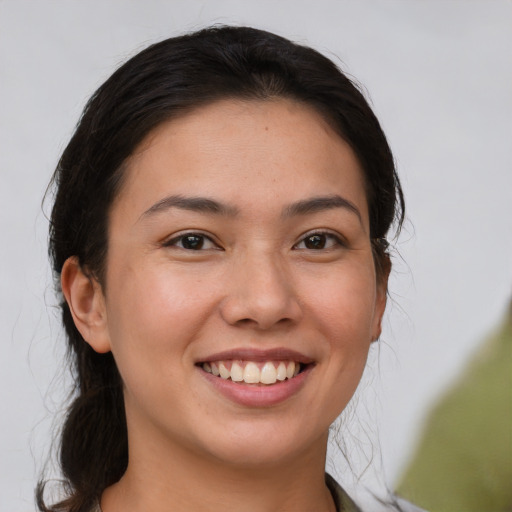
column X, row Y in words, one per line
column 250, row 372
column 224, row 372
column 237, row 372
column 268, row 373
column 281, row 371
column 290, row 369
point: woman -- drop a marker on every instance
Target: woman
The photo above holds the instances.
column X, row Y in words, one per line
column 218, row 234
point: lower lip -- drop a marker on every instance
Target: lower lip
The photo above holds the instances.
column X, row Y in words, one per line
column 251, row 395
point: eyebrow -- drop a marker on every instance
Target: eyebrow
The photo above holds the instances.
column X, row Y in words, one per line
column 319, row 204
column 210, row 206
column 195, row 204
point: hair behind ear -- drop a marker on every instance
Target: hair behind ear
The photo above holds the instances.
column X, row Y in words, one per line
column 94, row 440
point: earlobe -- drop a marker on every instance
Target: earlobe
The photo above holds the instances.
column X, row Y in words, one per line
column 86, row 302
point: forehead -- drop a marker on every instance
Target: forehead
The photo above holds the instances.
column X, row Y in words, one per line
column 277, row 150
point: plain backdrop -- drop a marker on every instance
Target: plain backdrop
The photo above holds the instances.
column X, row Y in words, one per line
column 439, row 76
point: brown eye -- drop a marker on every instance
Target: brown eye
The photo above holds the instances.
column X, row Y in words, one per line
column 192, row 242
column 318, row 242
column 315, row 242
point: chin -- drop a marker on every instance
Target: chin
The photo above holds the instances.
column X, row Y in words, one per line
column 254, row 448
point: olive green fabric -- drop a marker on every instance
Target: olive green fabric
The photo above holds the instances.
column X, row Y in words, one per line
column 464, row 462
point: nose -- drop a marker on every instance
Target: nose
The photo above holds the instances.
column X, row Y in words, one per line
column 261, row 294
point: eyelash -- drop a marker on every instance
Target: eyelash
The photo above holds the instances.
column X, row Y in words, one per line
column 201, row 239
column 173, row 242
column 336, row 241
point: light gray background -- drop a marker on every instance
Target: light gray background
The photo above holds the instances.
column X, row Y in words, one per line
column 439, row 75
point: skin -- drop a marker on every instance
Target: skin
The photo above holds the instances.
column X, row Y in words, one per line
column 256, row 283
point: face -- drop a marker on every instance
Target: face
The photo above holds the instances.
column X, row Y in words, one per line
column 240, row 296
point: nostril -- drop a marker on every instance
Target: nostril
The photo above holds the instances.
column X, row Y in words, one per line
column 250, row 307
column 263, row 323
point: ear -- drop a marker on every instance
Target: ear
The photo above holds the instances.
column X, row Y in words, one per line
column 381, row 298
column 86, row 302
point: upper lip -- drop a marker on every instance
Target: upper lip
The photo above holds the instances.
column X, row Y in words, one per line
column 258, row 355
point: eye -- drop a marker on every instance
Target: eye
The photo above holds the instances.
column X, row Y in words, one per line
column 192, row 242
column 319, row 241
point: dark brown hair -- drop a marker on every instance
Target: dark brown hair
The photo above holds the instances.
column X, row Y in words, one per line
column 163, row 81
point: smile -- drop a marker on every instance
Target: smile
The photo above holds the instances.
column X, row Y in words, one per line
column 253, row 372
column 255, row 377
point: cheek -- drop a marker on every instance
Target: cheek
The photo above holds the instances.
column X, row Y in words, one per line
column 153, row 321
column 347, row 299
column 152, row 316
column 344, row 309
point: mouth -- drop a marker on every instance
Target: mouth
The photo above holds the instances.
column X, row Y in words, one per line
column 256, row 378
column 264, row 368
column 254, row 372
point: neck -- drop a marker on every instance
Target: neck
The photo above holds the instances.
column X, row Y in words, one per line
column 173, row 478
